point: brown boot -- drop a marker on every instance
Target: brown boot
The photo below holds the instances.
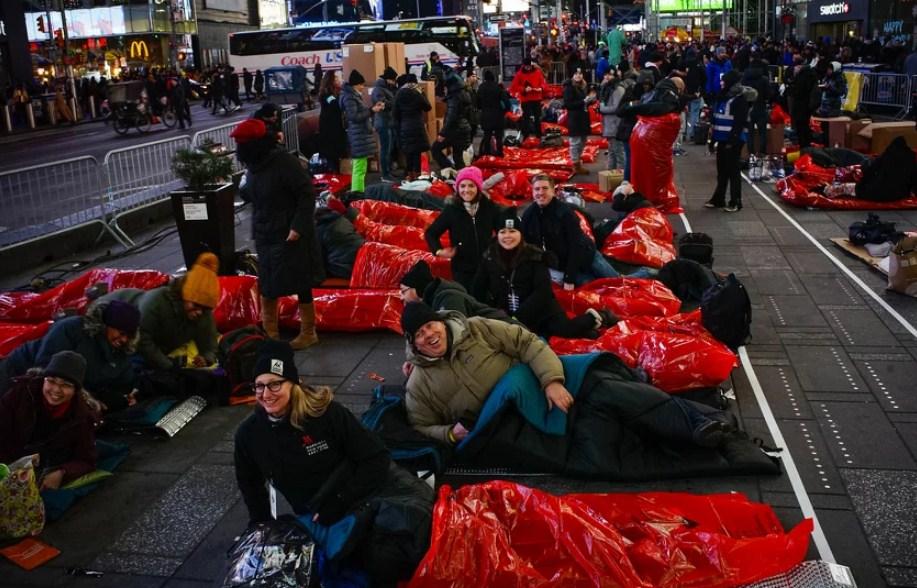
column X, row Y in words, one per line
column 307, row 336
column 269, row 319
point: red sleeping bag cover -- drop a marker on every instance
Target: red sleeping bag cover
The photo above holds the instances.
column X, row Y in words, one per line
column 507, row 535
column 337, row 183
column 801, row 188
column 380, row 266
column 626, row 297
column 390, row 213
column 12, row 335
column 403, row 236
column 676, row 351
column 644, row 237
column 652, row 165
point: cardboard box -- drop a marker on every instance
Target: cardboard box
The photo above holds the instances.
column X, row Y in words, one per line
column 883, row 136
column 429, row 91
column 854, row 141
column 366, row 58
column 775, row 139
column 440, row 107
column 837, row 129
column 394, row 56
column 609, row 180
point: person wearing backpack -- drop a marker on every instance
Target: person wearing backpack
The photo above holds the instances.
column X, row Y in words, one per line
column 729, row 121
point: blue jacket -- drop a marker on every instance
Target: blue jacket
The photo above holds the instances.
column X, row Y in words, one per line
column 716, row 69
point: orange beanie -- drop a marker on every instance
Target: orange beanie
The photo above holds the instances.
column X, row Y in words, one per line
column 201, row 284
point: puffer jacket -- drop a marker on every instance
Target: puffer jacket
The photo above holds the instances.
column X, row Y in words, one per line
column 442, row 295
column 408, row 115
column 470, row 235
column 383, row 92
column 440, row 391
column 359, row 123
column 110, row 375
column 664, row 100
column 576, row 103
column 612, row 98
column 457, row 121
column 492, row 101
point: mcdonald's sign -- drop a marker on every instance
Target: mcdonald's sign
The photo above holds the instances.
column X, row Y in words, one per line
column 139, row 50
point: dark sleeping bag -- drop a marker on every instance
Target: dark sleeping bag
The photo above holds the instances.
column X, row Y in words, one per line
column 616, row 430
column 835, row 156
column 339, row 240
column 892, row 176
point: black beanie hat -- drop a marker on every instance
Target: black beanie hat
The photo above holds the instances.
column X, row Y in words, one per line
column 67, row 365
column 122, row 316
column 389, row 74
column 418, row 277
column 730, row 79
column 509, row 219
column 414, row 316
column 356, row 78
column 276, row 357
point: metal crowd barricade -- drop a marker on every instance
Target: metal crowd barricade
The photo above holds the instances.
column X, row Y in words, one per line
column 139, row 176
column 291, row 130
column 219, row 136
column 41, row 200
column 886, row 90
column 556, row 72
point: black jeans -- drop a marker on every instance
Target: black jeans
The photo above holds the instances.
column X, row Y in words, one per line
column 803, row 132
column 531, row 118
column 412, row 162
column 728, row 174
column 490, row 135
column 757, row 132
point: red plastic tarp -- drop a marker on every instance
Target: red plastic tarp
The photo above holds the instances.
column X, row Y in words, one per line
column 676, row 351
column 584, row 225
column 543, row 157
column 31, row 307
column 779, row 116
column 379, row 266
column 351, row 311
column 504, row 534
column 652, row 165
column 403, row 236
column 390, row 213
column 549, row 126
column 803, row 188
column 12, row 335
column 337, row 183
column 644, row 237
column 626, row 297
column 815, row 200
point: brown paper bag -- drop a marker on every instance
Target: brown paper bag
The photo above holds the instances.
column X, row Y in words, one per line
column 902, row 267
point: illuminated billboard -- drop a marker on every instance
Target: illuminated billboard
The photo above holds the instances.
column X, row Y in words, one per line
column 688, row 5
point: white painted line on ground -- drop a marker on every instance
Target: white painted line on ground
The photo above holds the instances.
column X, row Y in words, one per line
column 799, row 489
column 853, row 277
column 792, row 473
column 684, row 220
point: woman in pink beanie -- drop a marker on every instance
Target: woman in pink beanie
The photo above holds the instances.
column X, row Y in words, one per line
column 471, row 219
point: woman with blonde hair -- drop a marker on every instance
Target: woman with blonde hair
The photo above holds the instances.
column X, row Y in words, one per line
column 334, row 473
column 470, row 217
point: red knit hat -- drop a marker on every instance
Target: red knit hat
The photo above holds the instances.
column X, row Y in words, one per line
column 249, row 129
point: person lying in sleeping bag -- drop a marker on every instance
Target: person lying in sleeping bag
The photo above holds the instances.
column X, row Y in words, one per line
column 458, row 361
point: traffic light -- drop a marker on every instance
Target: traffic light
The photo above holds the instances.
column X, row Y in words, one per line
column 40, row 23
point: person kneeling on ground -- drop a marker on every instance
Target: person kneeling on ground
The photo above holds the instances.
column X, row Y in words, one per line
column 106, row 336
column 45, row 413
column 328, row 467
column 514, row 277
column 552, row 225
column 458, row 361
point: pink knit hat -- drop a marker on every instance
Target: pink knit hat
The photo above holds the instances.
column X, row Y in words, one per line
column 470, row 173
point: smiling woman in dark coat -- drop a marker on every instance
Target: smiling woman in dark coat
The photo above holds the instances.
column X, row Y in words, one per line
column 283, row 227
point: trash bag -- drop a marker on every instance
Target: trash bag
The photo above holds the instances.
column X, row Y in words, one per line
column 497, row 534
column 276, row 554
column 390, row 213
column 626, row 297
column 676, row 352
column 12, row 335
column 644, row 237
column 380, row 266
column 652, row 164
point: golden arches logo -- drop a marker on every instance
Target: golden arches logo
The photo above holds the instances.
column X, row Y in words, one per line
column 139, row 50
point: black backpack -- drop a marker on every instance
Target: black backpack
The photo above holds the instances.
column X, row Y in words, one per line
column 687, row 279
column 696, row 247
column 238, row 352
column 872, row 231
column 726, row 312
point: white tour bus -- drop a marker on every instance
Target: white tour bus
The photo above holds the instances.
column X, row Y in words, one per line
column 453, row 37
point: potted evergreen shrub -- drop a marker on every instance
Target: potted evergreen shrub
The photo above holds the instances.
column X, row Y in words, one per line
column 203, row 210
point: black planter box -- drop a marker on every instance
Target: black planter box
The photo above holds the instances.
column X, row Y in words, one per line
column 206, row 222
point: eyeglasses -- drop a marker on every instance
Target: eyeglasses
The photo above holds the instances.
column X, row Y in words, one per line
column 59, row 383
column 273, row 386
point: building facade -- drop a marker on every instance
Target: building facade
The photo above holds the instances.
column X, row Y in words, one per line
column 216, row 19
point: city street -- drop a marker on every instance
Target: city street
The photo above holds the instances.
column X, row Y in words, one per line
column 97, row 138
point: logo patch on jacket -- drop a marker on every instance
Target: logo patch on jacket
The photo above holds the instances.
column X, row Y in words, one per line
column 313, row 447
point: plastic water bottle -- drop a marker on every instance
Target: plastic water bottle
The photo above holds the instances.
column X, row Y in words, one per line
column 754, row 172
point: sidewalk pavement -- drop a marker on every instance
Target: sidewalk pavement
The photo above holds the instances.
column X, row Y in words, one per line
column 837, row 372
